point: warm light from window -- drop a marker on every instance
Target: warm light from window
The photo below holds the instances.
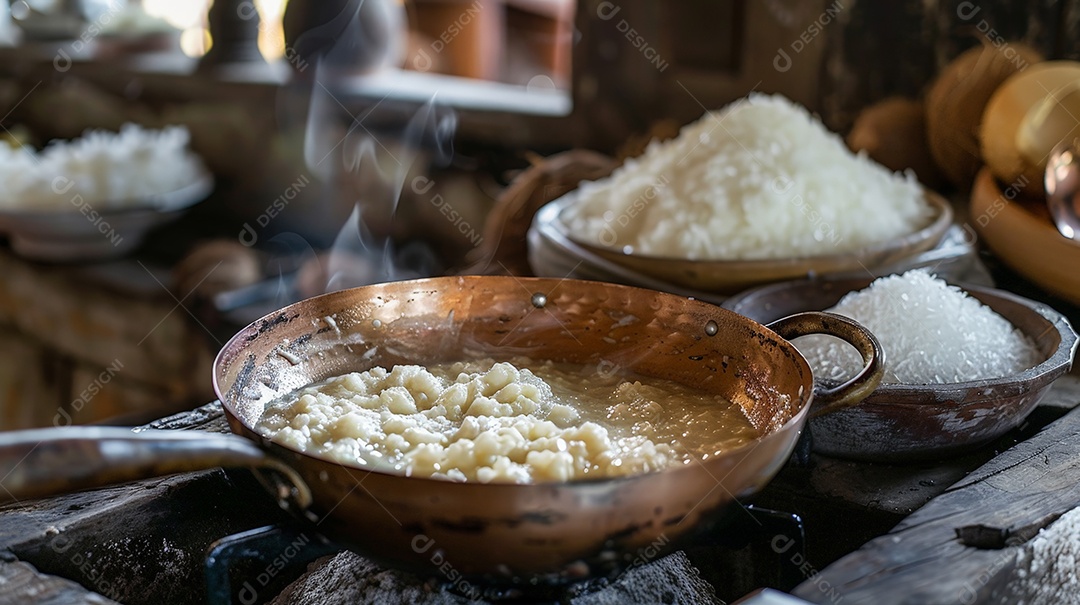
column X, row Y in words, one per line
column 190, row 17
column 271, row 34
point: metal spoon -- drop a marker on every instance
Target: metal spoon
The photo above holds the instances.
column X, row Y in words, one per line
column 1062, row 183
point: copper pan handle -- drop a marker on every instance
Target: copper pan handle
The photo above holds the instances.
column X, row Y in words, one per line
column 852, row 392
column 47, row 462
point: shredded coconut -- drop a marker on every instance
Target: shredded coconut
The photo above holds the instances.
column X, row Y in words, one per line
column 760, row 179
column 1048, row 567
column 932, row 333
column 109, row 170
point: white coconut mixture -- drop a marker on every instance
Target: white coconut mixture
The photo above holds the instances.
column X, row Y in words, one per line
column 931, row 332
column 498, row 422
column 761, row 179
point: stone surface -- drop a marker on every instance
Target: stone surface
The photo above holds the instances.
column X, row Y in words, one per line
column 348, row 578
column 671, row 580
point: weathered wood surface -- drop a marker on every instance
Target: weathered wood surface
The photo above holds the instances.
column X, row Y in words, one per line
column 143, row 542
column 922, row 561
column 20, row 583
column 87, row 348
column 860, row 501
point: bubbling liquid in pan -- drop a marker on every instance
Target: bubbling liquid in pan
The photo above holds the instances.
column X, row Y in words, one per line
column 521, row 421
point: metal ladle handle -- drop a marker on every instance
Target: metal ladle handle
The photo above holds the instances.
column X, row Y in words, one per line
column 852, row 392
column 46, row 462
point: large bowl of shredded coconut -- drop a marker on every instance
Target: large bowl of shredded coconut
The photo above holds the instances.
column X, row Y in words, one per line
column 963, row 365
column 758, row 192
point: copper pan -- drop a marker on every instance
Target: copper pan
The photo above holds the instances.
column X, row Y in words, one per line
column 500, row 533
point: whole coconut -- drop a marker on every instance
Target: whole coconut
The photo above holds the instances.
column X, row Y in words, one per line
column 955, row 104
column 213, row 267
column 893, row 134
column 1027, row 115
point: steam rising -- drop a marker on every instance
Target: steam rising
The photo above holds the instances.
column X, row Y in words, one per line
column 364, row 164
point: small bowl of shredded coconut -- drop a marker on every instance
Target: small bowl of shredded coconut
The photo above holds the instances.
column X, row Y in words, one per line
column 96, row 196
column 963, row 365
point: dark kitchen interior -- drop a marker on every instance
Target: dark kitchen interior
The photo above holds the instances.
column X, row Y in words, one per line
column 210, row 204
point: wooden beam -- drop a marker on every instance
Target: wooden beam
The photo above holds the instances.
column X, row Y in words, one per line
column 923, row 561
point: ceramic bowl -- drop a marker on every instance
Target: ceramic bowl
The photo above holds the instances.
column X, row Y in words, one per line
column 909, row 422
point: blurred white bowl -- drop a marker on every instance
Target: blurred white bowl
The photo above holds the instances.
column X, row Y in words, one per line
column 85, row 233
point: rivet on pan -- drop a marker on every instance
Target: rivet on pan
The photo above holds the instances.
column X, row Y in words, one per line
column 711, row 328
column 539, row 300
